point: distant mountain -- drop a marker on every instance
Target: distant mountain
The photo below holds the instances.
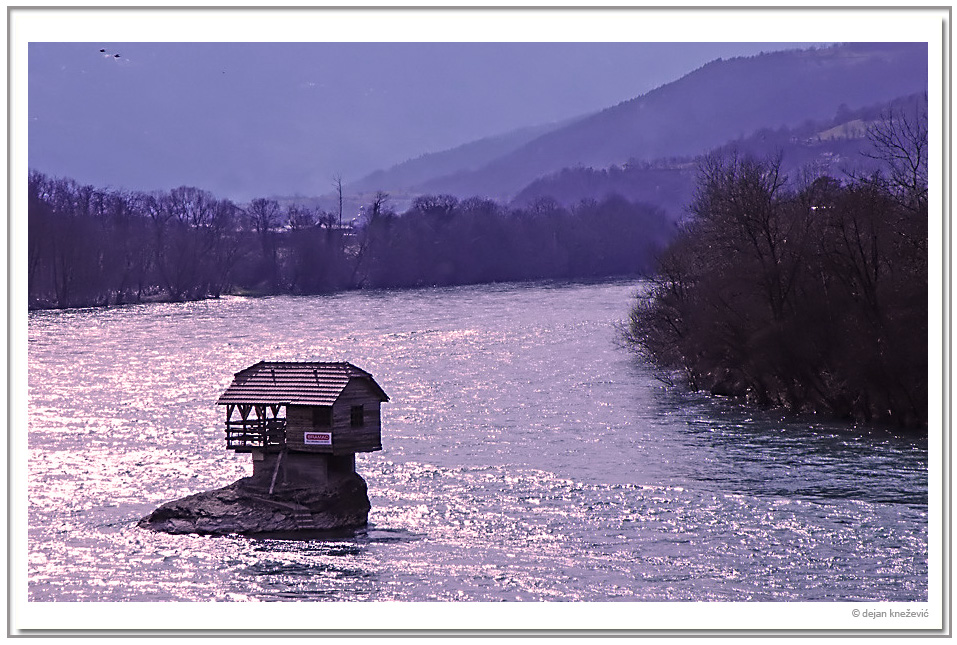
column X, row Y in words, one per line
column 835, row 147
column 464, row 158
column 721, row 101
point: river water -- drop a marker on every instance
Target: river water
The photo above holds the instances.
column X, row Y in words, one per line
column 527, row 455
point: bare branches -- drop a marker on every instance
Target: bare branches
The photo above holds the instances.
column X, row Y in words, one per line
column 900, row 141
column 809, row 298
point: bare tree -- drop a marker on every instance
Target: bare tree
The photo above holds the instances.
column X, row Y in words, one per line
column 378, row 205
column 264, row 215
column 337, row 182
column 741, row 200
column 300, row 217
column 900, row 140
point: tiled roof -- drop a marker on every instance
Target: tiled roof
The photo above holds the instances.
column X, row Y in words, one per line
column 279, row 383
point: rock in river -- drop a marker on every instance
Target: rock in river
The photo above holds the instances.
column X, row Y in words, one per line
column 246, row 508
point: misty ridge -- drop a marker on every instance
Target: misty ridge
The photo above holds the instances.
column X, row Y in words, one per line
column 723, row 101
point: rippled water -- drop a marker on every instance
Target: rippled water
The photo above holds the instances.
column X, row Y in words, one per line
column 526, row 456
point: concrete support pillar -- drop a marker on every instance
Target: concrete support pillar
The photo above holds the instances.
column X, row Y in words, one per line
column 299, row 470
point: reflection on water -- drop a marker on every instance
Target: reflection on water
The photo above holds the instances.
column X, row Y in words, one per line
column 526, row 456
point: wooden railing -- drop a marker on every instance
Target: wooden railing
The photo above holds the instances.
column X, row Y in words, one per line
column 267, row 434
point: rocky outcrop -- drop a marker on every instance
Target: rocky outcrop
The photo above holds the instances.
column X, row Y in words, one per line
column 246, row 508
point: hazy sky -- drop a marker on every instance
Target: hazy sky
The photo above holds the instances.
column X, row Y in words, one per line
column 247, row 120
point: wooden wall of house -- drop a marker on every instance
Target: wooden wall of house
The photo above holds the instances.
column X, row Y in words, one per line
column 345, row 438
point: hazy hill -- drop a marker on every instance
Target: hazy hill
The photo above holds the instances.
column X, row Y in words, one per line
column 721, row 101
column 468, row 157
column 833, row 147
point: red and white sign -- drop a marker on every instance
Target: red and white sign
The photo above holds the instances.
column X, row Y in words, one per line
column 318, row 438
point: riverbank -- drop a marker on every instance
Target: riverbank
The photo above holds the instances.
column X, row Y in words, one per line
column 160, row 297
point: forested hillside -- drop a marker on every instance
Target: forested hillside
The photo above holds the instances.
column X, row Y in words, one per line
column 836, row 146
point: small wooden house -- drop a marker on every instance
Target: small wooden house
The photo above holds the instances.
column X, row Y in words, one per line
column 298, row 410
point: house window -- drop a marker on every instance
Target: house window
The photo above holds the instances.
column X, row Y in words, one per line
column 358, row 416
column 322, row 416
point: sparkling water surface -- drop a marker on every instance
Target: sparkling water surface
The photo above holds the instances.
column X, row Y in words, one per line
column 527, row 455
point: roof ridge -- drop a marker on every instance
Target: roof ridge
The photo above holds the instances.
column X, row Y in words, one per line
column 304, row 363
column 296, row 380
